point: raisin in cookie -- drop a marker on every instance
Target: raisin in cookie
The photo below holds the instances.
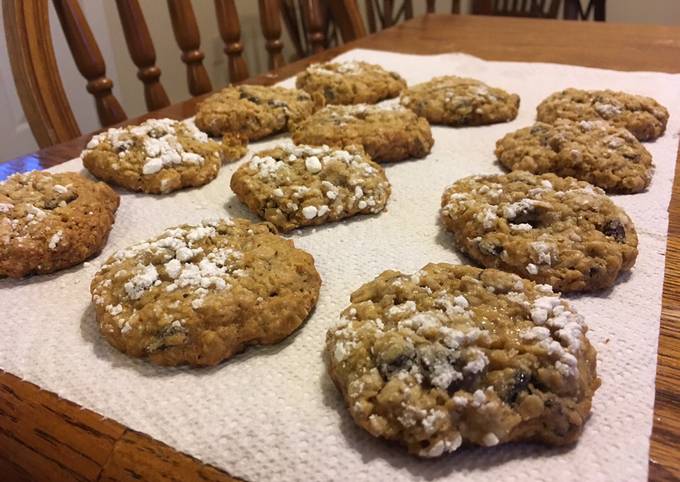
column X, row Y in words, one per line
column 386, row 133
column 350, row 82
column 254, row 111
column 294, row 186
column 459, row 101
column 457, row 355
column 52, row 221
column 553, row 230
column 644, row 117
column 157, row 156
column 198, row 294
column 595, row 151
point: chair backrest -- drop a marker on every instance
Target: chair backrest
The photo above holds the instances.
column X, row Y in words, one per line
column 37, row 78
column 347, row 17
column 310, row 26
column 381, row 14
column 517, row 8
column 573, row 10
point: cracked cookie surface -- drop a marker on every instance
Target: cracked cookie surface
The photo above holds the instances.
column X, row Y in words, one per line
column 554, row 230
column 643, row 116
column 460, row 101
column 455, row 355
column 253, row 111
column 294, row 186
column 386, row 133
column 351, row 82
column 199, row 294
column 594, row 151
column 156, row 157
column 51, row 221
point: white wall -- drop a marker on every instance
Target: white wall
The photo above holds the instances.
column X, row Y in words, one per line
column 661, row 12
column 103, row 18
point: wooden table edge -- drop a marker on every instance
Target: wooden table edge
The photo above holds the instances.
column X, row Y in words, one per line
column 156, row 458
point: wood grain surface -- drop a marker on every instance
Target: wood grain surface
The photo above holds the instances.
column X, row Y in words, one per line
column 43, row 437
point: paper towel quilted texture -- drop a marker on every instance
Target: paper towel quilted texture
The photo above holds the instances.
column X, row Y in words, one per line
column 272, row 413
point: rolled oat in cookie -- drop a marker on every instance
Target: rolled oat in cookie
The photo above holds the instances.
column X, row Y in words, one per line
column 351, row 82
column 459, row 101
column 643, row 116
column 253, row 111
column 51, row 221
column 158, row 156
column 553, row 230
column 234, row 146
column 294, row 186
column 456, row 355
column 199, row 294
column 387, row 133
column 594, row 151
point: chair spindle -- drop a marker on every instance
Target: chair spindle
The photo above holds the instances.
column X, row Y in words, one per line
column 185, row 28
column 230, row 31
column 315, row 19
column 143, row 54
column 89, row 60
column 271, row 28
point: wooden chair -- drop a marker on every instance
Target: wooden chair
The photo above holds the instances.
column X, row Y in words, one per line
column 39, row 85
column 380, row 14
column 347, row 15
column 310, row 26
column 517, row 8
column 573, row 9
column 384, row 13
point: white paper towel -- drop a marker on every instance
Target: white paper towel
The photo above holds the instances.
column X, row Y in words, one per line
column 272, row 413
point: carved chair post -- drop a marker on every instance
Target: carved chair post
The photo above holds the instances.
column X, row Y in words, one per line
column 270, row 20
column 89, row 60
column 348, row 19
column 388, row 14
column 230, row 31
column 188, row 38
column 315, row 18
column 142, row 52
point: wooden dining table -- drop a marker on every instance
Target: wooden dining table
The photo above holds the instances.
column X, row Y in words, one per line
column 44, row 437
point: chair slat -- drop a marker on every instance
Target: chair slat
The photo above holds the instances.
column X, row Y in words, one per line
column 553, row 9
column 408, row 9
column 35, row 71
column 39, row 84
column 143, row 54
column 348, row 19
column 573, row 10
column 185, row 28
column 520, row 8
column 315, row 18
column 370, row 16
column 388, row 11
column 230, row 31
column 270, row 20
column 295, row 31
column 89, row 60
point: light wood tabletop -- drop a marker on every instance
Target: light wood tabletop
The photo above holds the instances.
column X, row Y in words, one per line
column 43, row 437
